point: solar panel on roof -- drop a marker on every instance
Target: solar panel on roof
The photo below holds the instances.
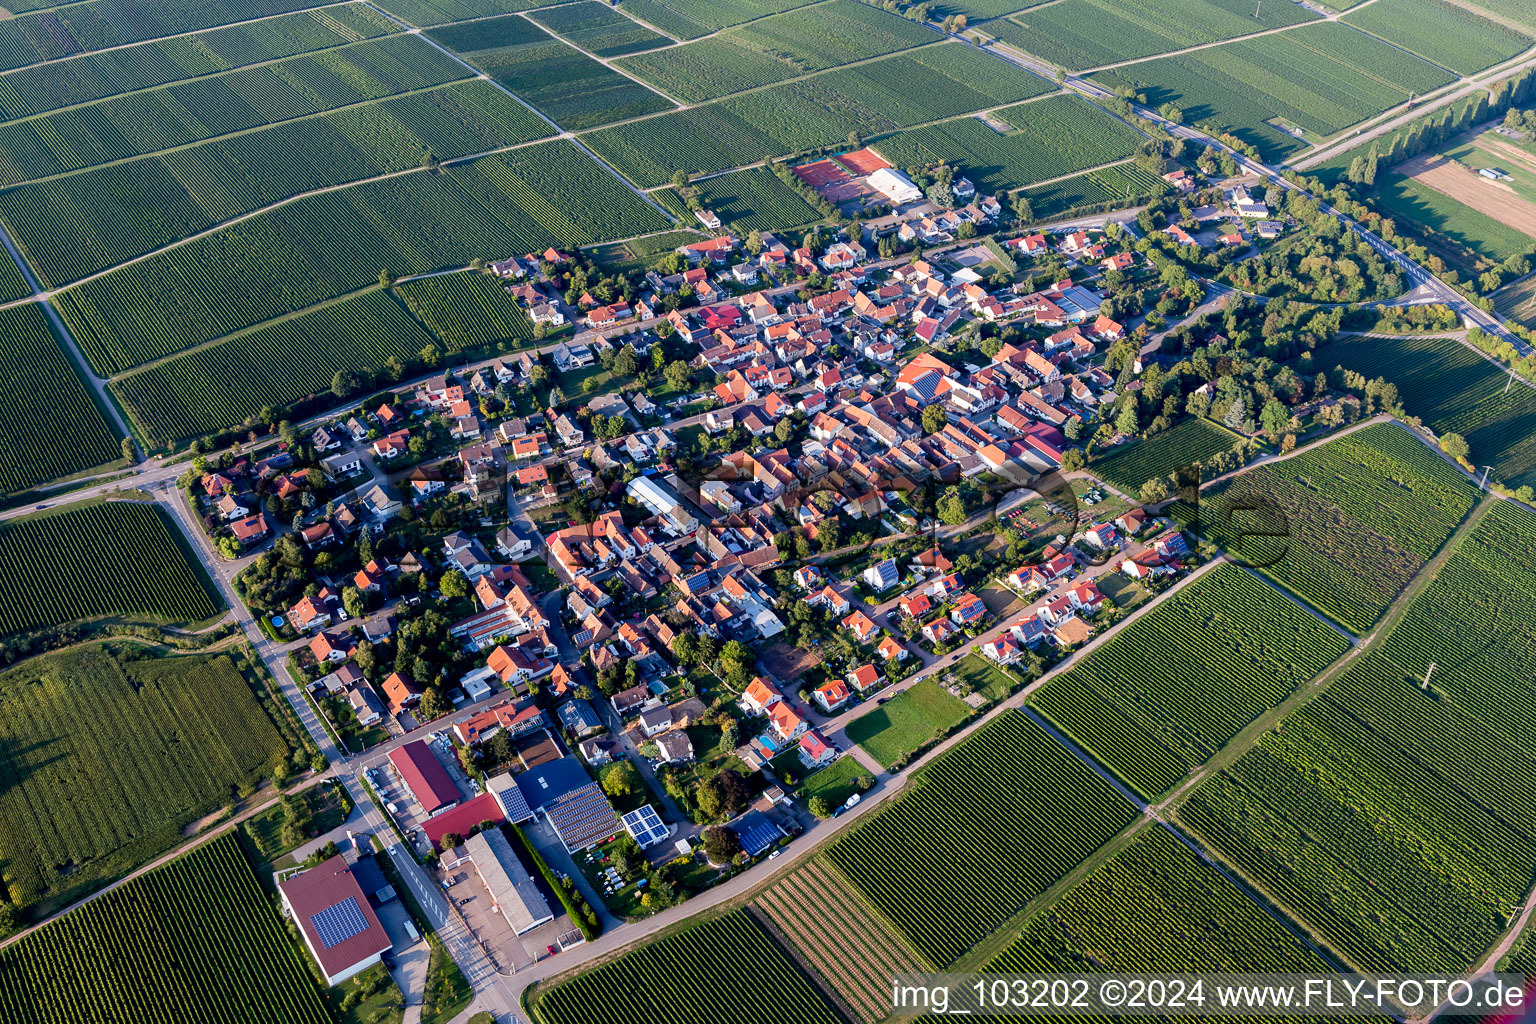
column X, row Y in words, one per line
column 339, row 922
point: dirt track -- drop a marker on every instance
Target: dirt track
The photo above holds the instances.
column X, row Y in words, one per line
column 1493, row 198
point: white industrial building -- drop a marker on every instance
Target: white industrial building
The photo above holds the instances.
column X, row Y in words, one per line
column 895, row 186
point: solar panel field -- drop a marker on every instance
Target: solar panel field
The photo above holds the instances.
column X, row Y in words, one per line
column 943, row 861
column 204, row 912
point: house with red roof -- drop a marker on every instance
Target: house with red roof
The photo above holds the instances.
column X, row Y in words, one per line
column 816, row 752
column 861, row 626
column 759, row 696
column 340, row 929
column 424, row 775
column 831, row 695
column 864, row 678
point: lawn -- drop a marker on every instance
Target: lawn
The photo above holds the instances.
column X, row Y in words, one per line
column 984, row 677
column 837, row 782
column 909, row 721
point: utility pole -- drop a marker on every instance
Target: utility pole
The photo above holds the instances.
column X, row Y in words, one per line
column 1483, row 483
column 1427, row 674
column 1509, row 383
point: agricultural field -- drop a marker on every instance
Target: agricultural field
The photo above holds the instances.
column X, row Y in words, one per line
column 640, row 253
column 910, row 720
column 328, row 245
column 570, row 88
column 945, row 888
column 1493, row 232
column 1193, row 440
column 1454, row 390
column 1318, row 78
column 1080, row 34
column 1517, row 301
column 1054, row 136
column 1173, row 687
column 44, row 35
column 51, row 430
column 468, row 312
column 1447, row 33
column 599, row 29
column 1392, row 814
column 1124, row 184
column 119, row 561
column 107, row 759
column 1155, row 908
column 853, row 954
column 218, row 386
column 755, row 200
column 233, row 102
column 799, row 42
column 96, row 76
column 83, row 223
column 689, row 19
column 1362, row 514
column 688, row 979
column 430, row 13
column 205, row 913
column 879, row 96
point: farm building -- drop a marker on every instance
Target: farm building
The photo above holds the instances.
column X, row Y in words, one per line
column 339, row 927
column 425, row 777
column 510, row 886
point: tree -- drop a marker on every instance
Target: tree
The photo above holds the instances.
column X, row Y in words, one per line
column 620, row 779
column 678, row 374
column 1129, row 420
column 723, row 794
column 1154, row 491
column 354, row 601
column 934, row 418
column 130, row 454
column 1274, row 418
column 721, row 844
column 1022, row 210
column 819, row 806
column 1073, row 460
column 737, row 660
column 1455, row 446
column 344, row 383
column 625, row 362
column 433, row 704
column 951, row 507
column 453, row 584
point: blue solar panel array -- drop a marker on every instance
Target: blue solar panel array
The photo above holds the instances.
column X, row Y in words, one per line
column 583, row 817
column 339, row 922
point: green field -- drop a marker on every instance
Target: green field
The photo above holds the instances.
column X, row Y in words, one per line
column 106, row 761
column 1173, row 687
column 1409, row 203
column 1130, row 465
column 1454, row 390
column 977, row 834
column 689, row 19
column 912, row 719
column 1446, row 33
column 118, row 561
column 52, row 424
column 784, row 46
column 218, row 386
column 871, row 98
column 1155, row 908
column 1517, row 301
column 1362, row 514
column 1079, row 34
column 429, row 13
column 1396, row 821
column 1320, row 78
column 468, row 312
column 755, row 200
column 687, row 979
column 1120, row 185
column 835, row 783
column 77, row 225
column 599, row 29
column 196, row 941
column 1054, row 136
column 324, row 246
column 570, row 88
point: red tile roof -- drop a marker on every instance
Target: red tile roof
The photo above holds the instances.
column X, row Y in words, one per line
column 317, row 890
column 425, row 776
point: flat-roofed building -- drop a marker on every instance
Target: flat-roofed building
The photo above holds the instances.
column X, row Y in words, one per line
column 511, row 888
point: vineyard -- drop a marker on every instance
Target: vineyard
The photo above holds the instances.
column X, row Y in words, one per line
column 51, row 423
column 120, row 561
column 218, row 386
column 1155, row 908
column 880, row 96
column 796, row 43
column 1173, row 687
column 853, row 953
column 325, row 246
column 686, row 978
column 103, row 762
column 1056, row 135
column 1079, row 34
column 1321, row 78
column 1362, row 515
column 1125, row 184
column 755, row 200
column 570, row 88
column 468, row 312
column 1393, row 819
column 205, row 913
column 689, row 19
column 599, row 29
column 1446, row 33
column 945, row 863
column 1128, row 466
column 83, row 223
column 1453, row 389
